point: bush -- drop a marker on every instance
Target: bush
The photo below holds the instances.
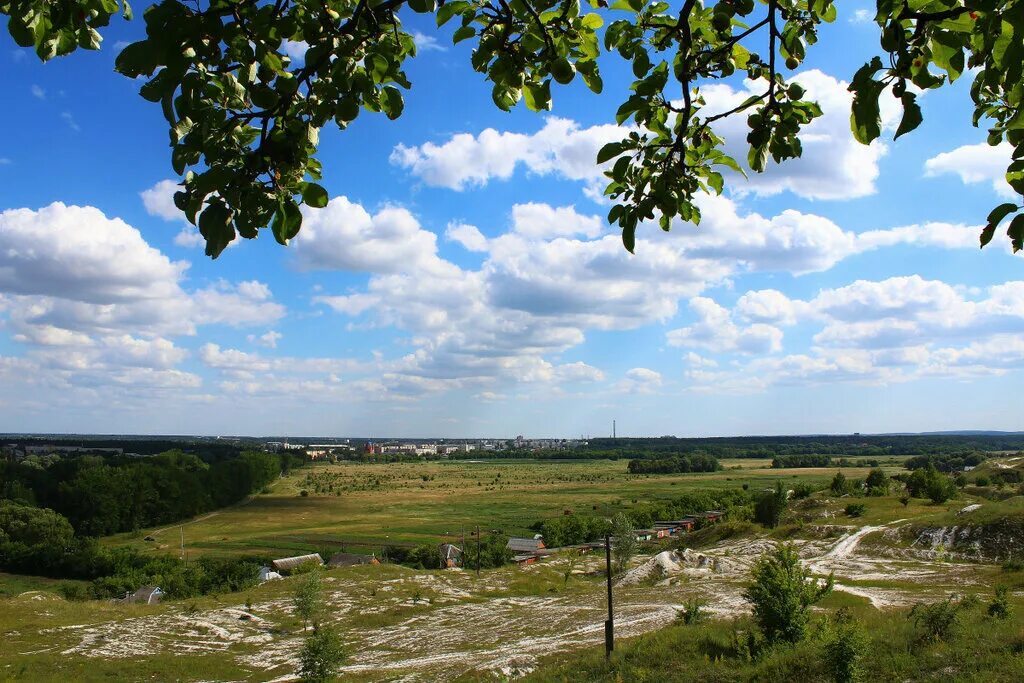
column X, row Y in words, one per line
column 856, row 509
column 937, row 620
column 1013, row 565
column 845, row 644
column 782, row 593
column 1000, row 605
column 693, row 611
column 771, row 506
column 308, row 599
column 981, row 480
column 803, row 490
column 839, row 485
column 321, row 655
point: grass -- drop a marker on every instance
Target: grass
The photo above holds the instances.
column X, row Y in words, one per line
column 981, row 649
column 361, row 507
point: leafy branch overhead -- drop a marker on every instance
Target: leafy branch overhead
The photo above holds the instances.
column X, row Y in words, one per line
column 244, row 117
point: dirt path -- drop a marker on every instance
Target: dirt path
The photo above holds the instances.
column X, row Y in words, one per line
column 203, row 518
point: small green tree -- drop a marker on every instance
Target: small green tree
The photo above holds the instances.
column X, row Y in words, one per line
column 321, row 656
column 309, row 600
column 1000, row 605
column 839, row 486
column 844, row 648
column 781, row 594
column 624, row 540
column 855, row 509
column 771, row 506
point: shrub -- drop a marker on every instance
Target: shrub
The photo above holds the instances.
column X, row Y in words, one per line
column 771, row 506
column 855, row 509
column 937, row 620
column 1013, row 565
column 845, row 644
column 1000, row 605
column 839, row 486
column 693, row 611
column 905, row 500
column 781, row 594
column 321, row 655
column 304, row 493
column 308, row 599
column 981, row 480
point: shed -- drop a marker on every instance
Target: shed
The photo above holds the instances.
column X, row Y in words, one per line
column 713, row 515
column 524, row 560
column 645, row 534
column 451, row 555
column 286, row 564
column 525, row 545
column 350, row 560
column 268, row 574
column 147, row 595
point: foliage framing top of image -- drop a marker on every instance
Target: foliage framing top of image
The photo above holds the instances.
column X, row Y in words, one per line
column 244, row 118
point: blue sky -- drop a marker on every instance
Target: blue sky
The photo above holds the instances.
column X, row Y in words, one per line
column 463, row 282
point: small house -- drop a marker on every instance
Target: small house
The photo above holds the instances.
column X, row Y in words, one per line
column 521, row 546
column 287, row 564
column 645, row 534
column 713, row 515
column 451, row 556
column 524, row 559
column 268, row 574
column 350, row 560
column 147, row 595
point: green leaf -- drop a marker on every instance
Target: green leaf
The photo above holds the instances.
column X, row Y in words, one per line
column 1016, row 232
column 462, row 34
column 314, row 195
column 215, row 226
column 137, row 59
column 422, row 6
column 911, row 114
column 449, row 9
column 994, row 219
column 538, row 97
column 563, row 70
column 629, row 234
column 865, row 121
column 287, row 221
column 392, row 103
column 593, row 21
column 610, row 151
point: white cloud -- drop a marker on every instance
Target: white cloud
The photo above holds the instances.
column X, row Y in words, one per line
column 716, row 331
column 560, row 148
column 38, row 92
column 344, row 236
column 770, row 306
column 70, row 120
column 981, row 163
column 159, row 200
column 535, row 220
column 295, row 49
column 425, row 43
column 469, row 236
column 833, row 164
column 268, row 339
column 640, row 381
column 862, row 16
column 190, row 238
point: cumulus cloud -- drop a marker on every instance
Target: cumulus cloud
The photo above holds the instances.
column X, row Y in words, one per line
column 716, row 331
column 833, row 164
column 159, row 200
column 885, row 331
column 561, row 147
column 96, row 306
column 469, row 236
column 981, row 163
column 344, row 236
column 640, row 381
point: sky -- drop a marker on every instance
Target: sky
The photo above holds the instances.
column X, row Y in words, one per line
column 463, row 281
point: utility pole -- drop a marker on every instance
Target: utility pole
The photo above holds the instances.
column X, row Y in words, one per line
column 614, row 434
column 609, row 624
column 478, row 551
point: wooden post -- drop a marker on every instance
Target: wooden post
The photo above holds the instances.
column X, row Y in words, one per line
column 478, row 551
column 609, row 624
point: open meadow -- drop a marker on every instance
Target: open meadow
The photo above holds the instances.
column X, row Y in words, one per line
column 544, row 620
column 362, row 507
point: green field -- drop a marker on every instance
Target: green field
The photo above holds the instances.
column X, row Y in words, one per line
column 400, row 623
column 363, row 507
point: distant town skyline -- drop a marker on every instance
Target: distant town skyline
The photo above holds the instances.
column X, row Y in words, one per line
column 463, row 279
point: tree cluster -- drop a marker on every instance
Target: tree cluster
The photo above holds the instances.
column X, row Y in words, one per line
column 677, row 464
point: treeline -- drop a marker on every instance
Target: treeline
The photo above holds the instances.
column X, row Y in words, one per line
column 42, row 542
column 770, row 447
column 787, row 461
column 575, row 529
column 101, row 495
column 946, row 462
column 679, row 463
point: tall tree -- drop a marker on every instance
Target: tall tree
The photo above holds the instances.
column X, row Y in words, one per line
column 245, row 118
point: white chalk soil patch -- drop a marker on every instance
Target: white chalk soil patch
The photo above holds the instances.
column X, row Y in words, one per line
column 454, row 623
